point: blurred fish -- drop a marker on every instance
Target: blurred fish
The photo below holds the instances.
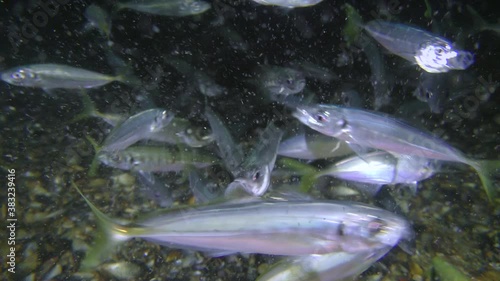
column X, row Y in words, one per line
column 315, row 71
column 255, row 172
column 99, row 19
column 231, row 153
column 156, row 159
column 280, row 81
column 206, row 84
column 58, row 76
column 311, row 146
column 137, row 127
column 204, row 191
column 431, row 52
column 289, row 3
column 175, row 8
column 258, row 226
column 182, row 131
column 235, row 40
column 328, row 267
column 154, row 188
column 480, row 24
column 363, row 129
column 379, row 79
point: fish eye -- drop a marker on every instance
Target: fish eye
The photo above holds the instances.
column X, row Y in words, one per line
column 289, row 81
column 321, row 117
column 376, row 226
column 256, row 176
column 18, row 75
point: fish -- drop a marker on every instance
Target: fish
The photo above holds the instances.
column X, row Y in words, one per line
column 382, row 168
column 255, row 171
column 231, row 153
column 312, row 146
column 156, row 159
column 363, row 129
column 204, row 191
column 280, row 81
column 136, row 128
column 376, row 169
column 432, row 53
column 59, row 76
column 178, row 131
column 327, row 267
column 154, row 188
column 174, row 8
column 99, row 19
column 288, row 3
column 206, row 84
column 291, row 228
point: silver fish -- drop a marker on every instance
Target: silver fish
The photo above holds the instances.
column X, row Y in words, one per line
column 431, row 52
column 289, row 3
column 175, row 8
column 328, row 267
column 154, row 188
column 312, row 146
column 255, row 172
column 230, row 152
column 297, row 228
column 363, row 129
column 58, row 76
column 136, row 128
column 280, row 81
column 99, row 19
column 156, row 159
column 206, row 84
column 382, row 168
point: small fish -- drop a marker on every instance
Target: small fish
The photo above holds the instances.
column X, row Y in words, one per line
column 431, row 52
column 99, row 19
column 255, row 172
column 289, row 3
column 480, row 24
column 280, row 81
column 182, row 131
column 174, row 8
column 363, row 129
column 156, row 159
column 231, row 153
column 58, row 76
column 154, row 188
column 312, row 146
column 136, row 128
column 206, row 84
column 328, row 267
column 204, row 191
column 382, row 168
column 294, row 228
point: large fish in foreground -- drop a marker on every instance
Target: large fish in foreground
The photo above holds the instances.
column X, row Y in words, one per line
column 294, row 228
column 174, row 8
column 59, row 76
column 363, row 129
column 431, row 52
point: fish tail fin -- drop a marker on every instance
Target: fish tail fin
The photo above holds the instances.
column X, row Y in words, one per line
column 89, row 109
column 478, row 22
column 110, row 234
column 95, row 161
column 309, row 173
column 354, row 25
column 485, row 169
column 123, row 70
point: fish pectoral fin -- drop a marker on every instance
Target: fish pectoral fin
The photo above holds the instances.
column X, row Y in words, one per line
column 359, row 150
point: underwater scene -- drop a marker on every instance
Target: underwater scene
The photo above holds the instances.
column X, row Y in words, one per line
column 267, row 140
